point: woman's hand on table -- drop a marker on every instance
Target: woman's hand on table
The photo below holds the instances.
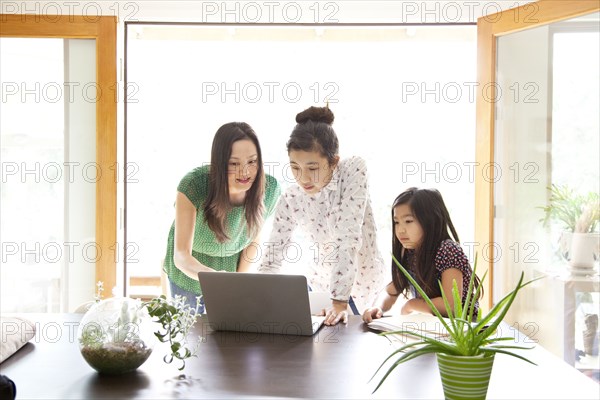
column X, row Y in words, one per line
column 338, row 312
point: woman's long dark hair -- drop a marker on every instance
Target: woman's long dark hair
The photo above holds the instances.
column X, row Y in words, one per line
column 217, row 203
column 313, row 132
column 429, row 209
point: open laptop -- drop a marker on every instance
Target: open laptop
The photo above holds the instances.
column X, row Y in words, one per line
column 265, row 303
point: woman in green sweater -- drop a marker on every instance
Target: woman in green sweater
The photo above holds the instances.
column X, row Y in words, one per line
column 219, row 211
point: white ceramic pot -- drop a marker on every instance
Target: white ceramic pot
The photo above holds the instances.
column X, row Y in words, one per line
column 580, row 250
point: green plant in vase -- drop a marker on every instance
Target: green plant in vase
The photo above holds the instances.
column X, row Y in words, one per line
column 576, row 212
column 578, row 215
column 466, row 340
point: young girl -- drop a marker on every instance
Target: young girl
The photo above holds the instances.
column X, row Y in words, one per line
column 331, row 204
column 219, row 211
column 421, row 242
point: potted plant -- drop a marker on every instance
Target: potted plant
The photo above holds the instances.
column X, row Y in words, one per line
column 466, row 354
column 116, row 335
column 578, row 216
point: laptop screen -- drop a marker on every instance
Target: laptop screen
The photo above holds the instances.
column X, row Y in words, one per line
column 253, row 302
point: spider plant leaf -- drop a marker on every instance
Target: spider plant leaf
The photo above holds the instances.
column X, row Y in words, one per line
column 404, row 358
column 399, row 350
column 442, row 344
column 508, row 347
column 424, row 338
column 472, row 298
column 469, row 306
column 447, row 306
column 497, row 339
column 509, row 353
column 458, row 307
column 458, row 323
column 500, row 310
column 421, row 292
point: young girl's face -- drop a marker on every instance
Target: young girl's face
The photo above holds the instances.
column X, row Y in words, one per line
column 242, row 166
column 406, row 227
column 311, row 170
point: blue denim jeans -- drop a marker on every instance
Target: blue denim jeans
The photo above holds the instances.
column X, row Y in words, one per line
column 353, row 306
column 190, row 297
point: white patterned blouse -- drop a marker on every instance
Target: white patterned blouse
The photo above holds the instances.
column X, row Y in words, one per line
column 340, row 224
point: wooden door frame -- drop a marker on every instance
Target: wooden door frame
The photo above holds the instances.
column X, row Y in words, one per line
column 489, row 28
column 103, row 29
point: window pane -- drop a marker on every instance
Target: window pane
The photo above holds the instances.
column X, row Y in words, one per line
column 403, row 98
column 32, row 213
column 547, row 135
column 49, row 174
column 575, row 105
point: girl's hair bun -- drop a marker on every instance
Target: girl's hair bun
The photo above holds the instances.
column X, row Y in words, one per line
column 315, row 114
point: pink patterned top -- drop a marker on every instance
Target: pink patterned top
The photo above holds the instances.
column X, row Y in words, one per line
column 449, row 255
column 339, row 222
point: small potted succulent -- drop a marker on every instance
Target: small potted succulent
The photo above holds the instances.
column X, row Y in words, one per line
column 466, row 354
column 117, row 335
column 578, row 216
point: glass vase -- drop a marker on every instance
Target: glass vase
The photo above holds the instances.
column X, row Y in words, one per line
column 116, row 336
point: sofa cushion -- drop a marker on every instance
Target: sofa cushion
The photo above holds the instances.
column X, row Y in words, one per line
column 15, row 332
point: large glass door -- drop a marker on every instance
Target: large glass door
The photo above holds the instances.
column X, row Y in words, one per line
column 49, row 173
column 58, row 143
column 539, row 129
column 384, row 101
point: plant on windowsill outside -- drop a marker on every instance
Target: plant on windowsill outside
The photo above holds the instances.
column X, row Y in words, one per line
column 116, row 334
column 579, row 216
column 465, row 341
column 578, row 213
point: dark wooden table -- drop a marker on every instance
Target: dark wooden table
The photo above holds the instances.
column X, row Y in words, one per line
column 336, row 363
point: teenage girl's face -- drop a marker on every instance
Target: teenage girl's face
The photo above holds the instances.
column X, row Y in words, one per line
column 406, row 227
column 311, row 170
column 242, row 167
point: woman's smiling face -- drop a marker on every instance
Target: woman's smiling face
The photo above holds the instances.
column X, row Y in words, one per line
column 242, row 166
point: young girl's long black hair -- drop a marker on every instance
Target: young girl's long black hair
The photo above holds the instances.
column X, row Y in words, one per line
column 430, row 211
